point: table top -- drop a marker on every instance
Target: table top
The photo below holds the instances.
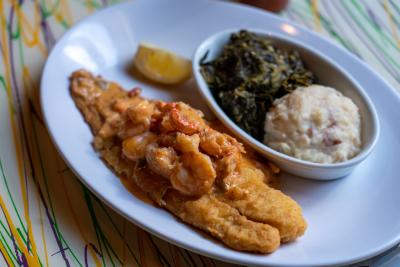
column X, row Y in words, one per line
column 48, row 218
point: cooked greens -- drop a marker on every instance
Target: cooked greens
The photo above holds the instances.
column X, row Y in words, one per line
column 249, row 75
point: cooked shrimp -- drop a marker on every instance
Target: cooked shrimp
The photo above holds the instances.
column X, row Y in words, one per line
column 134, row 148
column 218, row 144
column 137, row 116
column 194, row 175
column 121, row 105
column 141, row 112
column 128, row 129
column 182, row 118
column 161, row 160
column 187, row 143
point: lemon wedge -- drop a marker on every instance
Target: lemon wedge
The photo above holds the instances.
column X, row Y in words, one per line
column 161, row 65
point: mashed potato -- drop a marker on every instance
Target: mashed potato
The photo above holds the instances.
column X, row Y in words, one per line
column 315, row 123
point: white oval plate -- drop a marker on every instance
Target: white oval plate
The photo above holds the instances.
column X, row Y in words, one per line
column 349, row 219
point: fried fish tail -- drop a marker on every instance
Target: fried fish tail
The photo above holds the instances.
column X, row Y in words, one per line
column 261, row 203
column 224, row 222
column 210, row 215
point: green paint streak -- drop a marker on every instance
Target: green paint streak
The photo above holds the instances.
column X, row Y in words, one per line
column 383, row 50
column 21, row 52
column 11, row 198
column 107, row 247
column 3, row 83
column 327, row 25
column 93, row 4
column 336, row 36
column 15, row 35
column 21, row 234
column 303, row 14
column 65, row 25
column 5, row 229
column 184, row 257
column 160, row 255
column 99, row 231
column 26, row 244
column 94, row 220
column 9, row 235
column 44, row 176
column 117, row 230
column 24, row 239
column 46, row 12
column 89, row 4
column 393, row 17
column 396, row 7
column 10, row 253
column 374, row 26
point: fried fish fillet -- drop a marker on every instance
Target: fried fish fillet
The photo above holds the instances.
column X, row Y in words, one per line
column 196, row 172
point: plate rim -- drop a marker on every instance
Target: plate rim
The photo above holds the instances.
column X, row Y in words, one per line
column 169, row 238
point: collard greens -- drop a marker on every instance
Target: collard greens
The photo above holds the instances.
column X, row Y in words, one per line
column 249, row 75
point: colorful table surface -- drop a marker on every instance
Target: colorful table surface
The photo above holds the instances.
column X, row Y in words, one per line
column 47, row 217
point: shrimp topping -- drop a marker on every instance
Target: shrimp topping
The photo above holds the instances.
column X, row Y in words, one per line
column 181, row 118
column 194, row 174
column 134, row 148
column 161, row 160
column 218, row 144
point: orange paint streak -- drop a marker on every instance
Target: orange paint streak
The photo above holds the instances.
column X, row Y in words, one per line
column 314, row 10
column 33, row 260
column 391, row 22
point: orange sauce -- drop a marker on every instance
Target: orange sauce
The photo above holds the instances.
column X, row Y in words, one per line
column 135, row 190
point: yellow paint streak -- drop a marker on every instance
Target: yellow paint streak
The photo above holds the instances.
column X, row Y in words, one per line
column 33, row 260
column 29, row 86
column 75, row 218
column 6, row 257
column 42, row 231
column 59, row 17
column 65, row 10
column 30, row 34
column 317, row 19
column 391, row 22
column 27, row 28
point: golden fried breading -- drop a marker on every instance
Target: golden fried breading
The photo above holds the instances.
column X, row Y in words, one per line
column 198, row 173
column 211, row 215
column 224, row 222
column 259, row 202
